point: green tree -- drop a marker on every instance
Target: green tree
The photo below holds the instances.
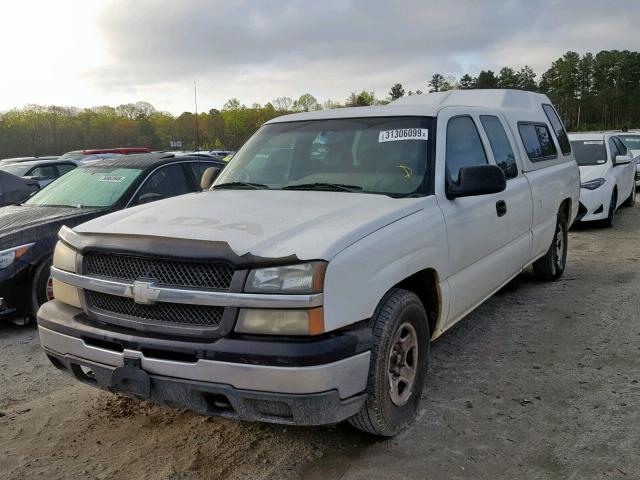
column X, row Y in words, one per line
column 396, row 91
column 486, row 79
column 467, row 82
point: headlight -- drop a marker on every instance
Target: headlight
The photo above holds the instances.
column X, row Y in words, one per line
column 300, row 278
column 281, row 322
column 593, row 184
column 10, row 255
column 64, row 257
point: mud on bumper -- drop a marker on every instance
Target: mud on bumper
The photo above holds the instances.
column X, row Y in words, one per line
column 211, row 398
column 307, row 394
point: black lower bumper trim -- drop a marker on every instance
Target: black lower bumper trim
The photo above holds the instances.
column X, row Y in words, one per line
column 211, row 398
column 254, row 350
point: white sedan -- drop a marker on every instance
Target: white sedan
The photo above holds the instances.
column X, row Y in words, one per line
column 607, row 176
column 632, row 141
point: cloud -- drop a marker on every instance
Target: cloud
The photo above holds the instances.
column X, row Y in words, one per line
column 257, row 50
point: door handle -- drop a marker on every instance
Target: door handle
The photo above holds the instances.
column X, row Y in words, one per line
column 501, row 208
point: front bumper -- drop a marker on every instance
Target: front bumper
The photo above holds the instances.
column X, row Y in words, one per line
column 302, row 395
column 595, row 202
column 14, row 292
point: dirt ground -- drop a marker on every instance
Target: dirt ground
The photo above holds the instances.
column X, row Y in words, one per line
column 541, row 382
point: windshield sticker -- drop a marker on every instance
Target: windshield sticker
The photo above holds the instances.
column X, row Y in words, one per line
column 400, row 134
column 111, row 178
column 632, row 140
column 594, row 142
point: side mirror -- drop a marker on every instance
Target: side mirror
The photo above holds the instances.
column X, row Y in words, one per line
column 148, row 198
column 208, row 177
column 623, row 159
column 477, row 180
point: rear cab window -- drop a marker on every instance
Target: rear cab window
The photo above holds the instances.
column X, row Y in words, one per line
column 500, row 145
column 558, row 128
column 537, row 141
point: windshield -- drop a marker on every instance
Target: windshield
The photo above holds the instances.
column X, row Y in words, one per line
column 15, row 169
column 386, row 155
column 589, row 152
column 632, row 142
column 87, row 187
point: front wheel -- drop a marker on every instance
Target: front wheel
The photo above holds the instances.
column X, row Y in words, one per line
column 552, row 265
column 631, row 199
column 41, row 286
column 611, row 216
column 398, row 368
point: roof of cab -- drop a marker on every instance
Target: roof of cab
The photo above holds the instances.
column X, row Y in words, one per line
column 429, row 104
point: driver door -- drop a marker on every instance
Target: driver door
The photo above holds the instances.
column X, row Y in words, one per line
column 477, row 229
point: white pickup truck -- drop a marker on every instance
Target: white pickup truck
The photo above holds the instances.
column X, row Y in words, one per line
column 306, row 285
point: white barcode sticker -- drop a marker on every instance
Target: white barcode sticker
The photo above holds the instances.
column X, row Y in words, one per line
column 403, row 134
column 594, row 142
column 111, row 179
column 635, row 140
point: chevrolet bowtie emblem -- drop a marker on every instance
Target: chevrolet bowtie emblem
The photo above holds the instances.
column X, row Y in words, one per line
column 144, row 292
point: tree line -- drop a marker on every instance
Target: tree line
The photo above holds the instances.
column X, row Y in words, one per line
column 591, row 92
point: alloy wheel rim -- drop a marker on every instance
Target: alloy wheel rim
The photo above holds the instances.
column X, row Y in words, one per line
column 403, row 364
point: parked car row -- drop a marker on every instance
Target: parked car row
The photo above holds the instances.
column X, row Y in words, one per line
column 28, row 231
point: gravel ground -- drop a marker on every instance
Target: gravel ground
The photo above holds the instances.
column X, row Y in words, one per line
column 540, row 382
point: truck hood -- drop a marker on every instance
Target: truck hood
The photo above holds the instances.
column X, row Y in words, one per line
column 591, row 172
column 264, row 223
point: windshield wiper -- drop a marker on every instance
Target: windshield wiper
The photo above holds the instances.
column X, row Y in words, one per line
column 324, row 186
column 257, row 186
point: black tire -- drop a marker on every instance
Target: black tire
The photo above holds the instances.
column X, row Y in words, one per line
column 552, row 265
column 631, row 199
column 39, row 286
column 611, row 217
column 399, row 311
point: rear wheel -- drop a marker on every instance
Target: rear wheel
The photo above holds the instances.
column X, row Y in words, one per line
column 552, row 265
column 398, row 365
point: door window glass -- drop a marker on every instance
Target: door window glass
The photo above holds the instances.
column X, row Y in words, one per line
column 500, row 146
column 165, row 182
column 43, row 172
column 464, row 147
column 65, row 168
column 614, row 149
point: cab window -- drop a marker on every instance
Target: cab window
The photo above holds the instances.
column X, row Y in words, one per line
column 537, row 141
column 500, row 145
column 464, row 147
column 558, row 128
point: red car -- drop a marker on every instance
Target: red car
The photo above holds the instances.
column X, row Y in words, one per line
column 78, row 154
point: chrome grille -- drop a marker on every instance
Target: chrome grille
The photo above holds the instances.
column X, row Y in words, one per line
column 174, row 273
column 174, row 313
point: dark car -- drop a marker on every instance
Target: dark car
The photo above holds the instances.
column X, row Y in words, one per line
column 15, row 189
column 28, row 232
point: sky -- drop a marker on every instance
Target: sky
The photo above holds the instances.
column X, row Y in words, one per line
column 107, row 52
